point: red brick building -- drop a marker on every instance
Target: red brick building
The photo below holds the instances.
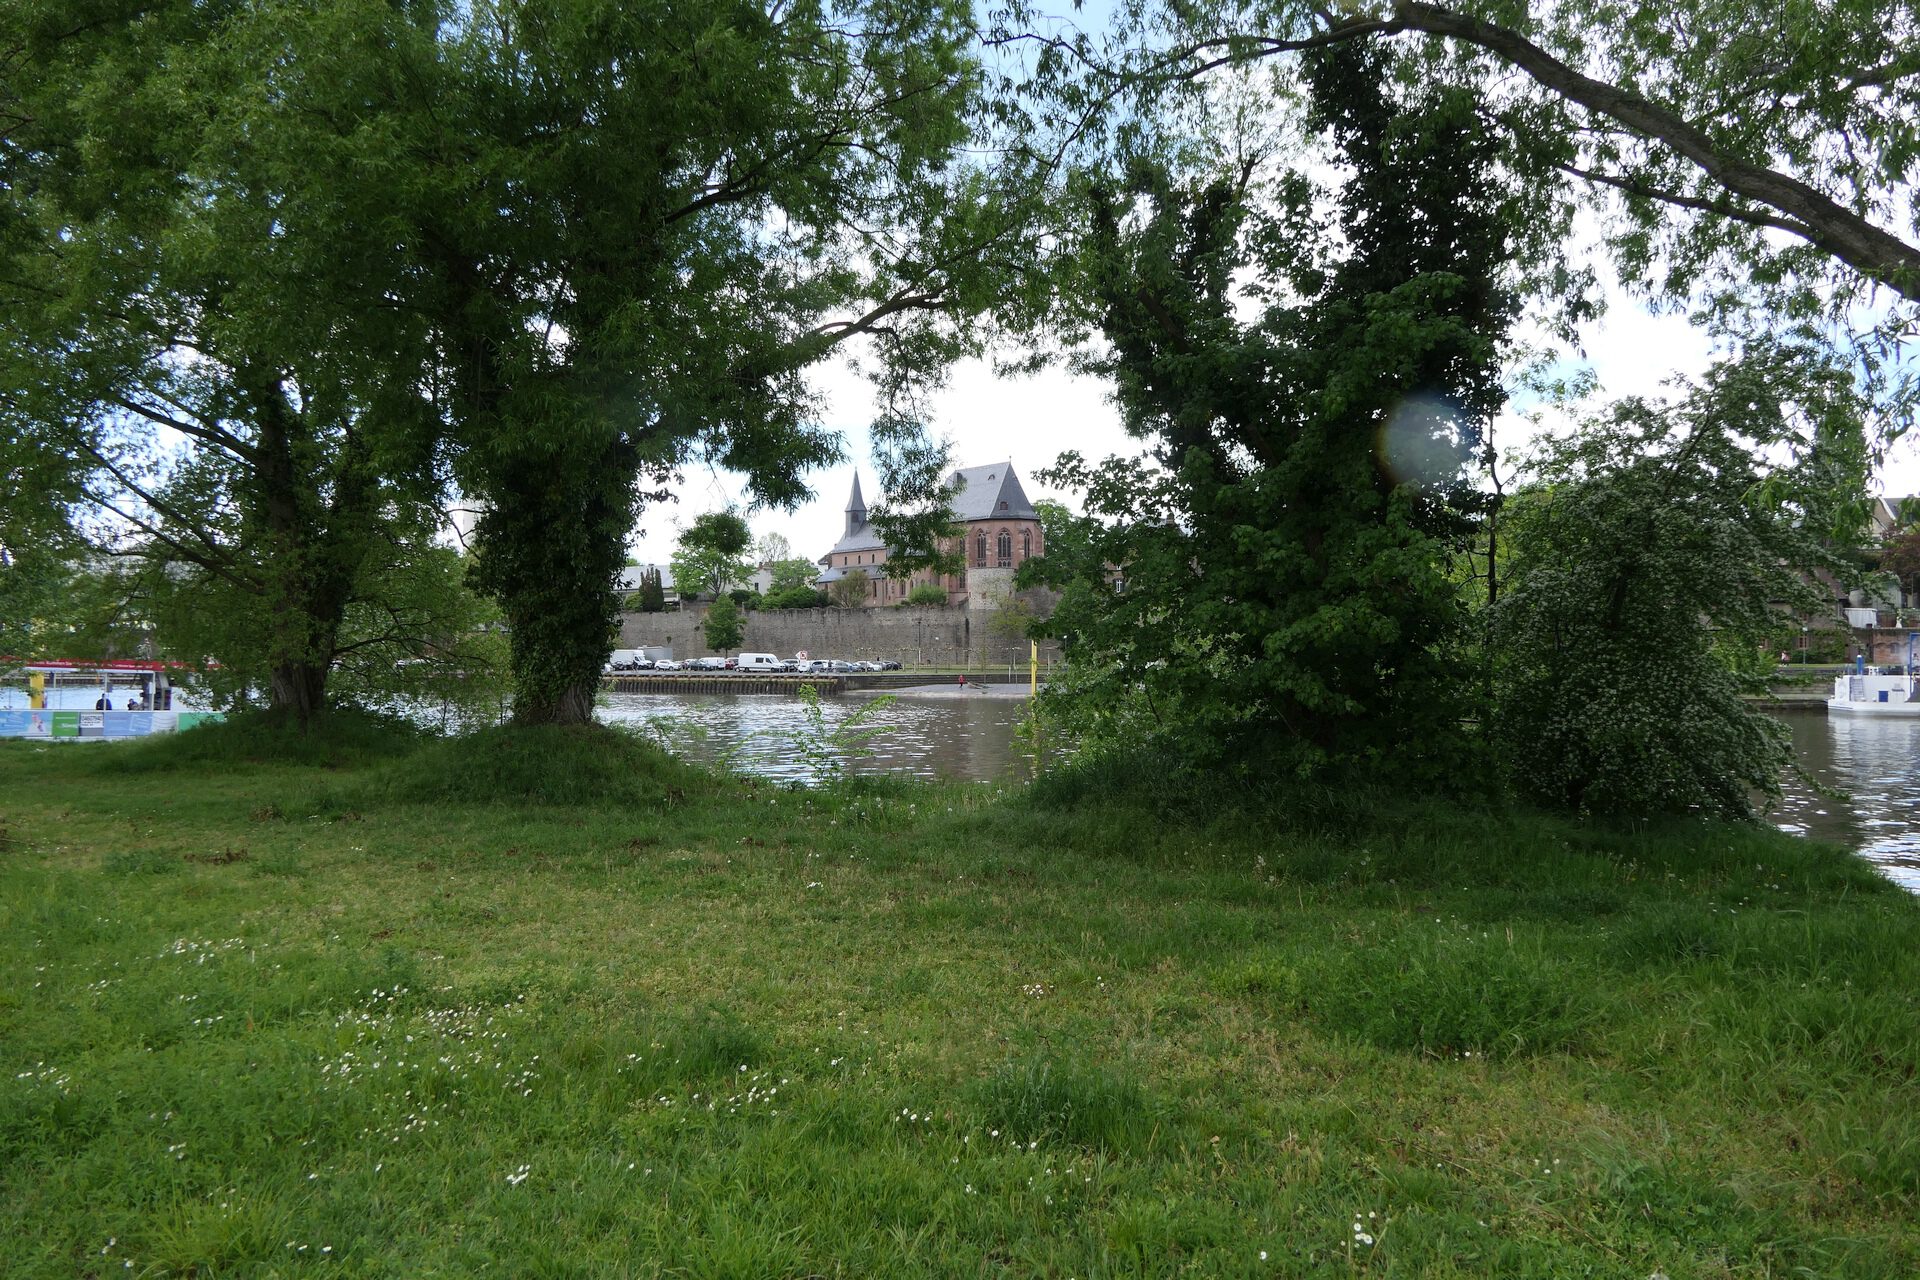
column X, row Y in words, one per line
column 999, row 529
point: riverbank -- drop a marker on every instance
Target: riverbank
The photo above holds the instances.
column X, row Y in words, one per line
column 562, row 1006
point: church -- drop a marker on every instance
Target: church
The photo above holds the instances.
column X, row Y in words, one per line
column 999, row 529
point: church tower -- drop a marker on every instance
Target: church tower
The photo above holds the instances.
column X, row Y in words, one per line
column 856, row 509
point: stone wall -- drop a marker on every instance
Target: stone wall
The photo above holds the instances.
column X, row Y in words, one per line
column 931, row 635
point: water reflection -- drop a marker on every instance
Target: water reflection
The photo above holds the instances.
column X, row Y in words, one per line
column 1876, row 763
column 761, row 733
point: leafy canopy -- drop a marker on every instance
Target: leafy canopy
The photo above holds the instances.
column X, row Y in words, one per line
column 1655, row 555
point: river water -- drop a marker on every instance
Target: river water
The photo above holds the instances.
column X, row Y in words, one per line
column 768, row 734
column 1874, row 763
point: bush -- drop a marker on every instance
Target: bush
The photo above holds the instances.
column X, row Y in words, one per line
column 926, row 593
column 794, row 598
column 338, row 738
column 536, row 764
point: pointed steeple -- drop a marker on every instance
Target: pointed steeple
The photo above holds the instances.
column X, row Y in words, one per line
column 856, row 509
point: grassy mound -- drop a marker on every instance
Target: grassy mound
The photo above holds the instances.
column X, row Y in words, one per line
column 342, row 737
column 536, row 764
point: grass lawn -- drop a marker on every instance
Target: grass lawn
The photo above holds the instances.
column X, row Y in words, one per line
column 386, row 1014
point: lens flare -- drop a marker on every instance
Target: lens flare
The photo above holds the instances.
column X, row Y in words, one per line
column 1423, row 442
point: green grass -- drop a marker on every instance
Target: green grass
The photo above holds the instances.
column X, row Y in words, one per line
column 557, row 1005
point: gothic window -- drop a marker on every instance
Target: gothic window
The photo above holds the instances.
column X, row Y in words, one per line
column 1004, row 550
column 1026, row 544
column 980, row 549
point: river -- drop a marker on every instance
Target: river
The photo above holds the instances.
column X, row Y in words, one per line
column 767, row 734
column 1874, row 763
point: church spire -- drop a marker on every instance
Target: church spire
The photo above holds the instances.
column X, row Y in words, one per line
column 856, row 508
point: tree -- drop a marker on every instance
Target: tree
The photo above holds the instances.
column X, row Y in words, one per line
column 791, row 573
column 927, row 593
column 1714, row 141
column 566, row 249
column 1287, row 604
column 1654, row 544
column 723, row 627
column 851, row 591
column 772, row 548
column 639, row 226
column 652, row 595
column 1901, row 558
column 177, row 305
column 1074, row 564
column 708, row 558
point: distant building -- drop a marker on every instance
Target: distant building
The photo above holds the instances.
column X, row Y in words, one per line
column 999, row 530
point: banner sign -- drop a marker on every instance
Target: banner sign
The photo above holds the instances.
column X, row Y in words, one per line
column 98, row 724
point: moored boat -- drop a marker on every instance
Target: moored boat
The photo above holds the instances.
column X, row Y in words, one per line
column 1888, row 692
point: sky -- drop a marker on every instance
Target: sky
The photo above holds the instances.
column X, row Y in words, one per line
column 1030, row 420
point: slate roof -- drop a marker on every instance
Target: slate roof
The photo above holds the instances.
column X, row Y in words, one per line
column 979, row 491
column 977, row 495
column 864, row 538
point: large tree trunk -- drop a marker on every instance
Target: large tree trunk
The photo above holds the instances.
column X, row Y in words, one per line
column 312, row 554
column 297, row 691
column 552, row 539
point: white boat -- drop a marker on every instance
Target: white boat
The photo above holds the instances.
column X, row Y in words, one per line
column 1886, row 692
column 1871, row 694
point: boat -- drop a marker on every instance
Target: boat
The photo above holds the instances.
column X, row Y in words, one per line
column 1888, row 692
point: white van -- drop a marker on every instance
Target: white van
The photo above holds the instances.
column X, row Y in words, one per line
column 626, row 660
column 758, row 662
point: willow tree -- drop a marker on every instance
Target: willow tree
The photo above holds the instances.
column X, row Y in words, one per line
column 636, row 227
column 196, row 364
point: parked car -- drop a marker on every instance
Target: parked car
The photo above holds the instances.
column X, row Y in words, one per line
column 837, row 666
column 667, row 664
column 889, row 664
column 762, row 662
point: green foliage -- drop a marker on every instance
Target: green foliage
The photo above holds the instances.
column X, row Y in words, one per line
column 652, row 595
column 1649, row 119
column 927, row 593
column 345, row 246
column 1287, row 603
column 530, row 764
column 723, row 627
column 795, row 598
column 851, row 590
column 217, row 364
column 791, row 574
column 1655, row 535
column 710, row 555
column 828, row 749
